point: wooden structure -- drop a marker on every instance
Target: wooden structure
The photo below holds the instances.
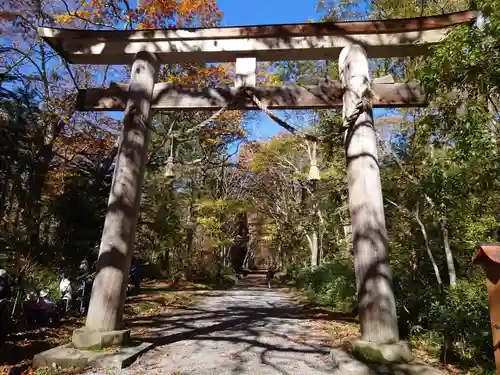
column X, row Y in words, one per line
column 115, row 254
column 324, row 95
column 355, row 41
column 488, row 255
column 371, row 252
column 309, row 41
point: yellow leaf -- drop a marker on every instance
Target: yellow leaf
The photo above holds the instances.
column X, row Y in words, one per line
column 69, row 17
column 64, row 18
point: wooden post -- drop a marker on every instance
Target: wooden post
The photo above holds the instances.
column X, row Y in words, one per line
column 488, row 256
column 377, row 309
column 168, row 97
column 493, row 275
column 118, row 236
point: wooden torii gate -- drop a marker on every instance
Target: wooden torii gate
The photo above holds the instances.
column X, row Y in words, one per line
column 145, row 50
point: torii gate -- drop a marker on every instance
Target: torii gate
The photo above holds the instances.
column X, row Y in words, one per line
column 354, row 41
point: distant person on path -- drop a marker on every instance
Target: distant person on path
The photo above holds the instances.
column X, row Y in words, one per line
column 269, row 276
column 135, row 276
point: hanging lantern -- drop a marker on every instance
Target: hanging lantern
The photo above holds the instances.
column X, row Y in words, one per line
column 169, row 169
column 313, row 169
column 314, row 172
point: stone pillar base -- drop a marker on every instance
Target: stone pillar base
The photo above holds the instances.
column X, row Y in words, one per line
column 66, row 356
column 83, row 338
column 348, row 365
column 369, row 352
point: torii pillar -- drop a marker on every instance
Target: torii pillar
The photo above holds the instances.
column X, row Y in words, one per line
column 377, row 308
column 104, row 320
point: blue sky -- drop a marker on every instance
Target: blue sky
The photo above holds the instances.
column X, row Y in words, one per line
column 255, row 12
column 259, row 12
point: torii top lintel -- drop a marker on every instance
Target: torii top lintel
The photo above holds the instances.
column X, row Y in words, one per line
column 308, row 41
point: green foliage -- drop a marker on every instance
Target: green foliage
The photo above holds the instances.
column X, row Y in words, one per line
column 462, row 315
column 80, row 212
column 47, row 371
column 458, row 315
column 331, row 284
column 40, row 277
column 53, row 198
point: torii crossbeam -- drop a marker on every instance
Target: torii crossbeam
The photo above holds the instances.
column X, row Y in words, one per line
column 308, row 41
column 355, row 41
column 327, row 94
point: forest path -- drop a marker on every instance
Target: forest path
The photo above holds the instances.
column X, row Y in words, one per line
column 249, row 329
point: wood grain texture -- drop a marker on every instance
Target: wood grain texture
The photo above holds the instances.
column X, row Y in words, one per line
column 377, row 308
column 309, row 41
column 327, row 94
column 118, row 236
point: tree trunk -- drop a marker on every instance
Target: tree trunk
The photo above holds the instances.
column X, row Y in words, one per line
column 41, row 168
column 246, row 260
column 219, row 255
column 225, row 255
column 115, row 254
column 377, row 308
column 13, row 194
column 280, row 256
column 320, row 246
column 447, row 250
column 190, row 232
column 189, row 250
column 166, row 262
column 428, row 248
column 35, row 206
column 493, row 123
column 313, row 245
column 249, row 260
column 5, row 188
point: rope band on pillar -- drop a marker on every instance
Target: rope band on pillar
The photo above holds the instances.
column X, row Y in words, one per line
column 363, row 104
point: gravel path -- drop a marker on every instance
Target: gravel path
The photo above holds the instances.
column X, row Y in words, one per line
column 246, row 330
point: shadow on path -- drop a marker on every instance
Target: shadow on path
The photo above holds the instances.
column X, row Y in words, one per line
column 247, row 330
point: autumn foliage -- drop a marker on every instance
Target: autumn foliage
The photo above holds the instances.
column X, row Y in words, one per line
column 148, row 14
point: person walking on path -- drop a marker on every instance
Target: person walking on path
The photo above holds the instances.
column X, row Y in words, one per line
column 269, row 276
